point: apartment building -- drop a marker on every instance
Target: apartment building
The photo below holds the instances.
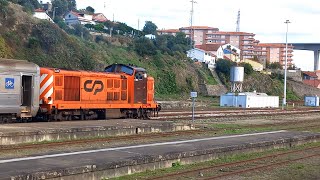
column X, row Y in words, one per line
column 199, row 33
column 273, row 52
column 210, row 37
column 243, row 40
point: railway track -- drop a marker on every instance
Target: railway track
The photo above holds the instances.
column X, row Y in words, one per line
column 240, row 167
column 223, row 114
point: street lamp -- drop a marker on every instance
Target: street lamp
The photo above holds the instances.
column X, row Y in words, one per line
column 284, row 102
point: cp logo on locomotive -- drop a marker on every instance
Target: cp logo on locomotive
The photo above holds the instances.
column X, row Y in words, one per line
column 89, row 88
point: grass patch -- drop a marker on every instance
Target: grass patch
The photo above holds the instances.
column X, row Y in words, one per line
column 227, row 129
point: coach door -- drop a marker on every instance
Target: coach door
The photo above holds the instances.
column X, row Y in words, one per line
column 140, row 88
column 26, row 96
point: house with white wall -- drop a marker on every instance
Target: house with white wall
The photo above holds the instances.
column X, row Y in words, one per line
column 82, row 18
column 42, row 14
column 203, row 56
column 72, row 18
column 229, row 51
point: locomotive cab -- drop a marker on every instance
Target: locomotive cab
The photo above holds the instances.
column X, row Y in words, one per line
column 140, row 90
column 140, row 86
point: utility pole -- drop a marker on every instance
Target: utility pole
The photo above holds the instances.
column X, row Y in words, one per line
column 191, row 24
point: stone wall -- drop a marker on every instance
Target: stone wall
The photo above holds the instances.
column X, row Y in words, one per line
column 295, row 75
column 303, row 89
column 212, row 90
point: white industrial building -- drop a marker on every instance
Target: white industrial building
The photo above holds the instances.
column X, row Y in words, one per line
column 311, row 101
column 237, row 98
column 249, row 100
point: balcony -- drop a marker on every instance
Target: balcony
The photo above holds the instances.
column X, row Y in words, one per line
column 246, row 44
column 214, row 38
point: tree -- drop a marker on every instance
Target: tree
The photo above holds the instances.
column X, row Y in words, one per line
column 29, row 5
column 224, row 66
column 72, row 5
column 99, row 27
column 90, row 10
column 4, row 8
column 89, row 26
column 144, row 46
column 61, row 7
column 247, row 68
column 150, row 28
column 275, row 65
column 180, row 38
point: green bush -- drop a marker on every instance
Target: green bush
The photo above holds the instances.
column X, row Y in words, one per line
column 144, row 46
column 247, row 68
column 33, row 43
column 3, row 48
column 275, row 65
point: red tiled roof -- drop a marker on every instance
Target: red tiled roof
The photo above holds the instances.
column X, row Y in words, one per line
column 309, row 73
column 96, row 17
column 169, row 30
column 232, row 33
column 39, row 10
column 75, row 13
column 200, row 27
column 274, row 45
column 314, row 83
column 226, row 58
column 209, row 47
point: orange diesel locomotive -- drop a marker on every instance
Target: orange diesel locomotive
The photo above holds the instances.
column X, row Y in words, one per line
column 120, row 91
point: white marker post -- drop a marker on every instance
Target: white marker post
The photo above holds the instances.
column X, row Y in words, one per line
column 193, row 96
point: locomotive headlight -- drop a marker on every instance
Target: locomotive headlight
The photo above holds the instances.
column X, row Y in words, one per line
column 145, row 75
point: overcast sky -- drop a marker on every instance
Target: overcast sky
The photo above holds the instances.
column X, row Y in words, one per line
column 264, row 18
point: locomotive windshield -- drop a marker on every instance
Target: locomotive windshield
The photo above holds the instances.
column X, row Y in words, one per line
column 140, row 75
column 118, row 68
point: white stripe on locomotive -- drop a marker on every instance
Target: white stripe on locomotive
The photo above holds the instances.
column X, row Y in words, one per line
column 46, row 85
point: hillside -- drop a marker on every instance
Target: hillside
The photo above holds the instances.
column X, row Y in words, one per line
column 255, row 81
column 45, row 43
column 42, row 42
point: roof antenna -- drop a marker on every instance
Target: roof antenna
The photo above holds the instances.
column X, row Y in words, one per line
column 238, row 22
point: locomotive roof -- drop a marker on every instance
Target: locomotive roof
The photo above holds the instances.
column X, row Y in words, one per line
column 130, row 65
column 14, row 65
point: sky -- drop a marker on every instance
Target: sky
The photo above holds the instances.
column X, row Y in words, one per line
column 263, row 18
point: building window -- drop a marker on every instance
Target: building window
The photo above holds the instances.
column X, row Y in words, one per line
column 69, row 16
